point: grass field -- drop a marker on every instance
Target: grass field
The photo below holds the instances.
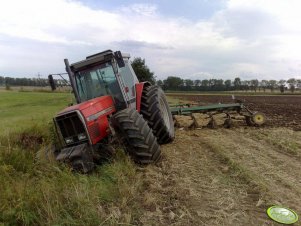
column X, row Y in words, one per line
column 37, row 192
column 205, row 177
column 20, row 110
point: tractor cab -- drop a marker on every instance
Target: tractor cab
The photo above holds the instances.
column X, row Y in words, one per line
column 106, row 73
column 102, row 74
column 98, row 81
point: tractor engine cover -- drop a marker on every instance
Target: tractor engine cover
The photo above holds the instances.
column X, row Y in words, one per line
column 87, row 121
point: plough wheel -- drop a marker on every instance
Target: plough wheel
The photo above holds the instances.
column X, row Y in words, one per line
column 258, row 118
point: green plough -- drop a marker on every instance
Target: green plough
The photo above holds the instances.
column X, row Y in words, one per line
column 230, row 112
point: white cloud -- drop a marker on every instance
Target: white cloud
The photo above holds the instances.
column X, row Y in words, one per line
column 53, row 20
column 246, row 38
column 140, row 9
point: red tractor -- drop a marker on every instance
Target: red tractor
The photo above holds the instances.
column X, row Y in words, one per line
column 111, row 102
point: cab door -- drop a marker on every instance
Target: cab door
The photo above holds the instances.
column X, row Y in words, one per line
column 128, row 82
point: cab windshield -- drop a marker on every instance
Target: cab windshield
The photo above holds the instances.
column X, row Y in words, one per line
column 98, row 81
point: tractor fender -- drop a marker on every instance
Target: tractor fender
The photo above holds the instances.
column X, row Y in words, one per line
column 139, row 89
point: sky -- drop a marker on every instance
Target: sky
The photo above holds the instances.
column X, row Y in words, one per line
column 199, row 39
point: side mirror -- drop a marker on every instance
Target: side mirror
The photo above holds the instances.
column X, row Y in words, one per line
column 51, row 82
column 119, row 59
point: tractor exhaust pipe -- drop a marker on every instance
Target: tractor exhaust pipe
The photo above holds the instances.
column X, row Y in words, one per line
column 72, row 80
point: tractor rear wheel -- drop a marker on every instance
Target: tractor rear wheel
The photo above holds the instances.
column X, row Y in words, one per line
column 140, row 142
column 155, row 110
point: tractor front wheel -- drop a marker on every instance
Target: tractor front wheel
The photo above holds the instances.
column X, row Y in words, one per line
column 140, row 142
column 155, row 110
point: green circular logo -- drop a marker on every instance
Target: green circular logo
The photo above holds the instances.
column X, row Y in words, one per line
column 282, row 215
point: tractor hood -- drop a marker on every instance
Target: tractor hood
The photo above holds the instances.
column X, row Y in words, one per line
column 85, row 121
column 93, row 108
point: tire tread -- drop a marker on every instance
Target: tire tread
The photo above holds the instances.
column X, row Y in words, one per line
column 141, row 143
column 150, row 109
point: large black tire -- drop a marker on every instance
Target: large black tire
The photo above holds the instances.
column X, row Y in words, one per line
column 155, row 110
column 140, row 142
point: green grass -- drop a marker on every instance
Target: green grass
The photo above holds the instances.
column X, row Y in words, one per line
column 35, row 191
column 18, row 110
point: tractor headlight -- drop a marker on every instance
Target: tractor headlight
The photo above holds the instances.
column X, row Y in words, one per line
column 69, row 140
column 81, row 136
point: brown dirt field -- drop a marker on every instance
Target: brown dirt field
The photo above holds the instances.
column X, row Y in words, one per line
column 227, row 176
column 223, row 177
column 281, row 111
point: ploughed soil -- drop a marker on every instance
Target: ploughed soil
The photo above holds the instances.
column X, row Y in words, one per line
column 223, row 177
column 280, row 110
column 227, row 176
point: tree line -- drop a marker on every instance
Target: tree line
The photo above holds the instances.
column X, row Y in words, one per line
column 175, row 83
column 8, row 81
